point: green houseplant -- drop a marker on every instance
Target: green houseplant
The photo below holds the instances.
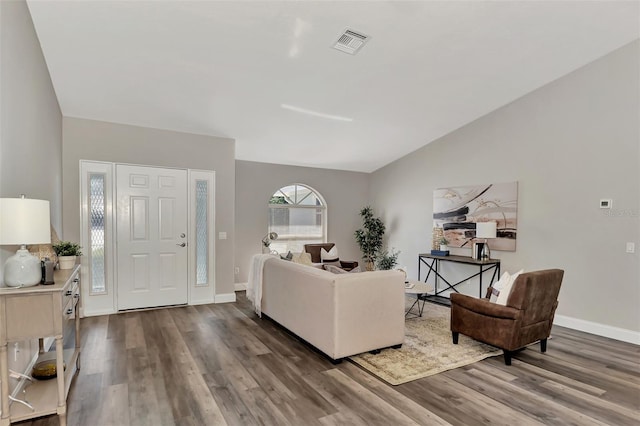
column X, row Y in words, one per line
column 370, row 236
column 67, row 252
column 443, row 243
column 387, row 260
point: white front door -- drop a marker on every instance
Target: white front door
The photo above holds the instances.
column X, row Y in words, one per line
column 151, row 229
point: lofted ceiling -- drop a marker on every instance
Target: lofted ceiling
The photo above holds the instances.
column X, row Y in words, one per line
column 264, row 73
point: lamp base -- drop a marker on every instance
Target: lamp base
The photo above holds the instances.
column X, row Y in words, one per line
column 485, row 252
column 22, row 269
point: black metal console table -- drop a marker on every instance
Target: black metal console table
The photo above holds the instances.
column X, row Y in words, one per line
column 432, row 262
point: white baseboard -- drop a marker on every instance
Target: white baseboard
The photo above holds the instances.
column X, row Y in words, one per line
column 225, row 298
column 241, row 286
column 603, row 330
column 202, row 301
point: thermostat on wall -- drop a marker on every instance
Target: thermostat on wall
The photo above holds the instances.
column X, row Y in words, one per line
column 605, row 203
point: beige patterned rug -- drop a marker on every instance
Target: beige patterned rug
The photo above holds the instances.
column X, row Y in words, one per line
column 427, row 350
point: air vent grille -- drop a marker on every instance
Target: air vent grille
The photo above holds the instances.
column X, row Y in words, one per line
column 351, row 41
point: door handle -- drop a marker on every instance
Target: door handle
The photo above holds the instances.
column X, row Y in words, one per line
column 182, row 244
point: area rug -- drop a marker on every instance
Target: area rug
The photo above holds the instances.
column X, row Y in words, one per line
column 427, row 350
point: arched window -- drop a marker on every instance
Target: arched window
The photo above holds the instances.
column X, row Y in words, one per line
column 298, row 214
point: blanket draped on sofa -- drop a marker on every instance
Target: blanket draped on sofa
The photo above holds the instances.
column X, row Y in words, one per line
column 254, row 286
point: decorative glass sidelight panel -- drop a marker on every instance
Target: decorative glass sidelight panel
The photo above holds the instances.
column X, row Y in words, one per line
column 202, row 232
column 97, row 231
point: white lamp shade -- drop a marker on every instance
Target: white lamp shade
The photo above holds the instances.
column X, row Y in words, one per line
column 24, row 221
column 486, row 229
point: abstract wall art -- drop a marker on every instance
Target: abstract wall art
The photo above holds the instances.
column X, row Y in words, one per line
column 457, row 210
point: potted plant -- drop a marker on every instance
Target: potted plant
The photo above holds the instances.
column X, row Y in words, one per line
column 387, row 260
column 67, row 252
column 443, row 244
column 369, row 237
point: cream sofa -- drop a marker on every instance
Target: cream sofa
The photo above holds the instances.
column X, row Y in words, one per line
column 339, row 314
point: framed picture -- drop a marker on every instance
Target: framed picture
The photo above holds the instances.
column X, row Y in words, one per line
column 457, row 210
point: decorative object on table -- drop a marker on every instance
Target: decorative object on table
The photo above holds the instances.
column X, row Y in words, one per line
column 436, row 236
column 23, row 221
column 427, row 349
column 47, row 266
column 370, row 237
column 443, row 244
column 403, row 269
column 484, row 230
column 45, row 370
column 387, row 260
column 457, row 210
column 440, row 252
column 67, row 253
column 267, row 240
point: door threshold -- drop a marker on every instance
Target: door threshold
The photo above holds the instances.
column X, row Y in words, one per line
column 152, row 308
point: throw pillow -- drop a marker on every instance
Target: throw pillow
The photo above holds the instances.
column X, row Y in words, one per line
column 302, row 258
column 498, row 286
column 334, row 269
column 329, row 256
column 506, row 289
column 337, row 270
column 288, row 256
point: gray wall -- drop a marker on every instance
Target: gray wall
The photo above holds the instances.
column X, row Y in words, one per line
column 30, row 128
column 344, row 192
column 119, row 143
column 568, row 144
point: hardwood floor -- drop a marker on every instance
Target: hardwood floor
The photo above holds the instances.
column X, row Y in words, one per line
column 220, row 364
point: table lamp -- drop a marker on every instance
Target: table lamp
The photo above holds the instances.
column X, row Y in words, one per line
column 23, row 221
column 485, row 230
column 266, row 241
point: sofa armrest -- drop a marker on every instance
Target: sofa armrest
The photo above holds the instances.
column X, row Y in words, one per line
column 369, row 311
column 484, row 307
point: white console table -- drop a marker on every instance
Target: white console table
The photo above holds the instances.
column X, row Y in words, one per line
column 35, row 313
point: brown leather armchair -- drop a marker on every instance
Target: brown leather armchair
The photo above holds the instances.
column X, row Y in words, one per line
column 527, row 317
column 314, row 251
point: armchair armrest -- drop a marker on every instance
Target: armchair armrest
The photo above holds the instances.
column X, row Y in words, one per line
column 484, row 307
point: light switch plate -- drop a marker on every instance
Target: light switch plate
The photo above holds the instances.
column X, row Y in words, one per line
column 631, row 247
column 222, row 235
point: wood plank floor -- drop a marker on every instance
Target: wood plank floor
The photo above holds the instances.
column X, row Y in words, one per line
column 220, row 364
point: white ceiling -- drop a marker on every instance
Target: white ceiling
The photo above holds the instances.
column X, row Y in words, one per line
column 225, row 68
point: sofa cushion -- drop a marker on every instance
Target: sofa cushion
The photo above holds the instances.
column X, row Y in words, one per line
column 302, row 258
column 330, row 256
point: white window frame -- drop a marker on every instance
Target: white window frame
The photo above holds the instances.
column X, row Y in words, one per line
column 202, row 293
column 97, row 303
column 323, row 205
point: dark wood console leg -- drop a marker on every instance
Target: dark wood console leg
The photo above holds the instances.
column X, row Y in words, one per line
column 454, row 334
column 543, row 345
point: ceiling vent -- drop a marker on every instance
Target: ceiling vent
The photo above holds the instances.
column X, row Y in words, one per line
column 351, row 41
